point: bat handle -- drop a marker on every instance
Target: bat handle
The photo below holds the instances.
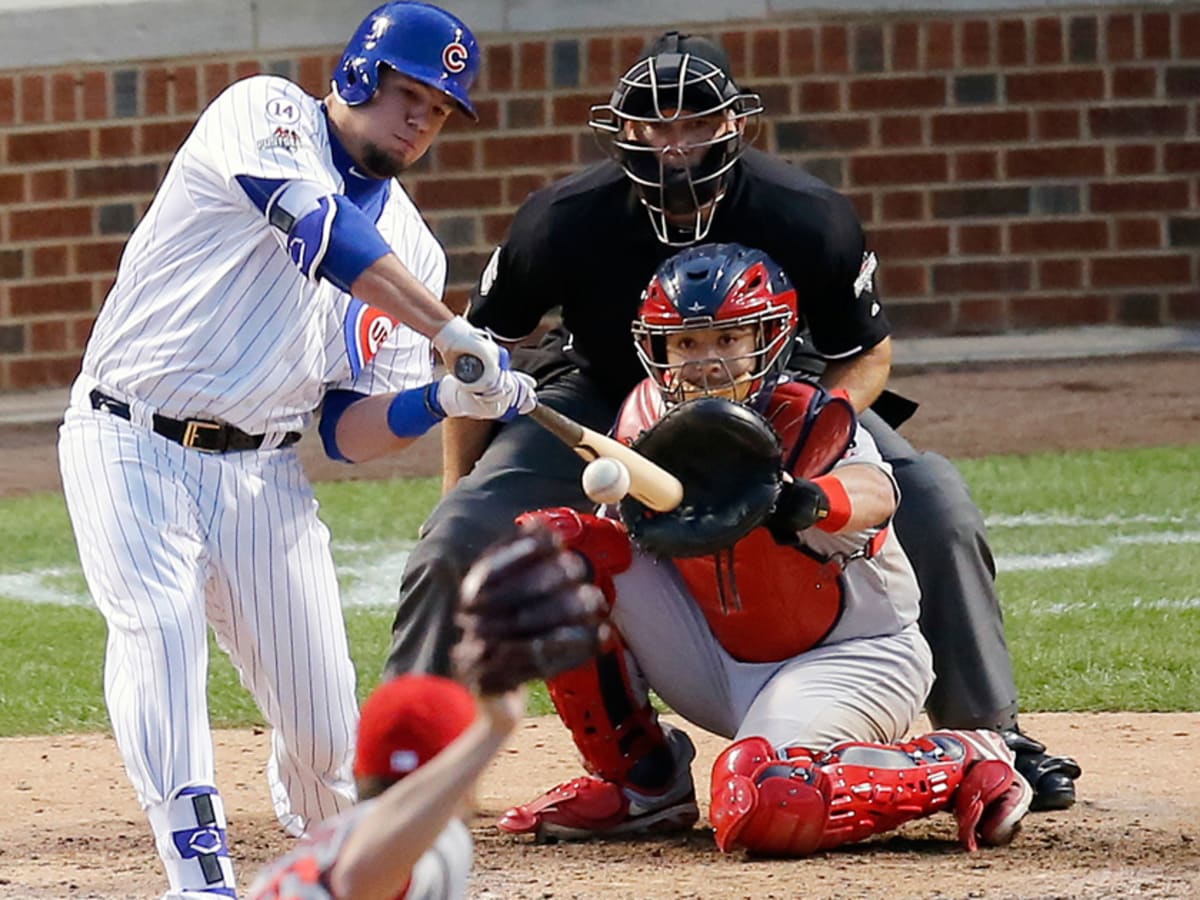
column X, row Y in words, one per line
column 468, row 368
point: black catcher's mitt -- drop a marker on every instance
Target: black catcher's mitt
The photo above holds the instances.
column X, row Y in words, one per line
column 728, row 458
column 527, row 611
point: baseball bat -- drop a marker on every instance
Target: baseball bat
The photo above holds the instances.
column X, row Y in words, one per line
column 648, row 482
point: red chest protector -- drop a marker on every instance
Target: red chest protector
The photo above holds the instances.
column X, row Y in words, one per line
column 765, row 602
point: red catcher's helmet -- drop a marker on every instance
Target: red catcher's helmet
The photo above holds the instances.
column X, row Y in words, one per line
column 718, row 286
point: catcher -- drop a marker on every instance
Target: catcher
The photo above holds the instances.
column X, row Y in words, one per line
column 774, row 606
column 526, row 612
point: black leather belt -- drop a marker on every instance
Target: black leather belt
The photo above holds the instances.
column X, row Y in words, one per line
column 196, row 434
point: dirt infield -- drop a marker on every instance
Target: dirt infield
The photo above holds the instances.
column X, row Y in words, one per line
column 71, row 829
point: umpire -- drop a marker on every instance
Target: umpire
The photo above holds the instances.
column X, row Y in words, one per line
column 681, row 172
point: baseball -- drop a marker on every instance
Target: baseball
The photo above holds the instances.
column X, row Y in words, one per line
column 606, row 480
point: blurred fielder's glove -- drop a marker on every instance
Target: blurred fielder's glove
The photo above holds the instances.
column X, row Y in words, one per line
column 527, row 611
column 728, row 458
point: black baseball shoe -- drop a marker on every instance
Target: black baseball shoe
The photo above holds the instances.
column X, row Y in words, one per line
column 1051, row 777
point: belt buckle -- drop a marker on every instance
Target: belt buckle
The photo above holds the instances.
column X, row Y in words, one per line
column 197, row 427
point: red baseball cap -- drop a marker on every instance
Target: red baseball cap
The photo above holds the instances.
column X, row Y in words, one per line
column 407, row 721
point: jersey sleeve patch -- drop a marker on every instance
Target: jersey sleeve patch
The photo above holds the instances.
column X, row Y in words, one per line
column 365, row 328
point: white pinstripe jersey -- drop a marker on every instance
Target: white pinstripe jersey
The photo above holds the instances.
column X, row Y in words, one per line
column 209, row 317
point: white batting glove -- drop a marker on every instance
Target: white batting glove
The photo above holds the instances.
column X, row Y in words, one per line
column 514, row 395
column 460, row 342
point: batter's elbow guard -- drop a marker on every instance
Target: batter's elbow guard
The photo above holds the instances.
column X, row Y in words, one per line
column 336, row 403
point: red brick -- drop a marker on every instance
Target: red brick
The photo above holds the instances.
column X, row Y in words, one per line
column 489, row 117
column 980, row 127
column 1138, row 121
column 1184, row 307
column 8, row 101
column 48, row 184
column 518, row 187
column 1056, row 124
column 98, row 257
column 835, row 49
column 1181, row 157
column 1189, row 35
column 455, row 156
column 46, row 146
column 820, row 96
column 311, row 74
column 1141, row 271
column 116, row 142
column 777, row 98
column 95, row 95
column 495, row 227
column 1063, row 234
column 156, row 83
column 976, row 44
column 975, row 165
column 764, row 53
column 800, row 51
column 49, row 262
column 217, row 77
column 50, row 297
column 734, row 43
column 1139, row 234
column 1055, row 162
column 911, row 242
column 864, row 205
column 903, row 168
column 164, row 138
column 601, row 69
column 60, row 221
column 903, row 206
column 571, row 109
column 48, row 337
column 1141, row 196
column 903, row 281
column 981, row 316
column 523, row 152
column 12, row 188
column 981, row 277
column 1156, row 35
column 1048, row 40
column 1073, row 86
column 1055, row 311
column 1060, row 274
column 12, row 267
column 498, row 67
column 628, row 48
column 531, row 72
column 906, row 45
column 939, row 45
column 1139, row 159
column 27, row 374
column 246, row 68
column 900, row 131
column 33, row 99
column 1121, row 37
column 980, row 240
column 897, row 93
column 922, row 317
column 108, row 181
column 457, row 193
column 1129, row 83
column 63, row 105
column 1011, row 41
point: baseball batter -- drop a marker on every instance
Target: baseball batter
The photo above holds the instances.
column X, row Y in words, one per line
column 799, row 641
column 280, row 267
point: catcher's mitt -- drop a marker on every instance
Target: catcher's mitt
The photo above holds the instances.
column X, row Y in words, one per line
column 728, row 458
column 526, row 611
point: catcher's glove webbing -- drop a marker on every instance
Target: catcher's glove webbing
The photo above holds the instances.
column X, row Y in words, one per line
column 728, row 458
column 526, row 611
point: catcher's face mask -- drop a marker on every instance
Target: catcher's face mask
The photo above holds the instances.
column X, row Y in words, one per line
column 676, row 124
column 716, row 320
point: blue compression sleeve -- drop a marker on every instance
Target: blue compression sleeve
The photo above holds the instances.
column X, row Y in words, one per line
column 412, row 413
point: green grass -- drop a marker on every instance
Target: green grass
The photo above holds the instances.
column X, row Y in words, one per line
column 1115, row 633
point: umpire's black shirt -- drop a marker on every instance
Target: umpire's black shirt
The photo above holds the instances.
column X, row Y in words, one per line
column 585, row 243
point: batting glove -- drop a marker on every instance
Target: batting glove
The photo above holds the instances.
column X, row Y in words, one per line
column 515, row 394
column 459, row 338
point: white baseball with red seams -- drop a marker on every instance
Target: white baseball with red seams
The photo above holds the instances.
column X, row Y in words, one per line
column 606, row 480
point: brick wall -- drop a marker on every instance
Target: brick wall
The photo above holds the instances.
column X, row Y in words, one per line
column 1015, row 171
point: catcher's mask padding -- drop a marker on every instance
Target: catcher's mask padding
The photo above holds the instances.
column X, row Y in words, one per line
column 728, row 458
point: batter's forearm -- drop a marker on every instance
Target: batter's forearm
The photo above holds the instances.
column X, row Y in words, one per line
column 463, row 442
column 862, row 377
column 389, row 285
column 363, row 433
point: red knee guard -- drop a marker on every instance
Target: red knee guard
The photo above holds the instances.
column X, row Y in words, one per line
column 801, row 801
column 611, row 719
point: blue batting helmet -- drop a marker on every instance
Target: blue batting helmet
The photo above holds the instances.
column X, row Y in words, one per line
column 416, row 39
